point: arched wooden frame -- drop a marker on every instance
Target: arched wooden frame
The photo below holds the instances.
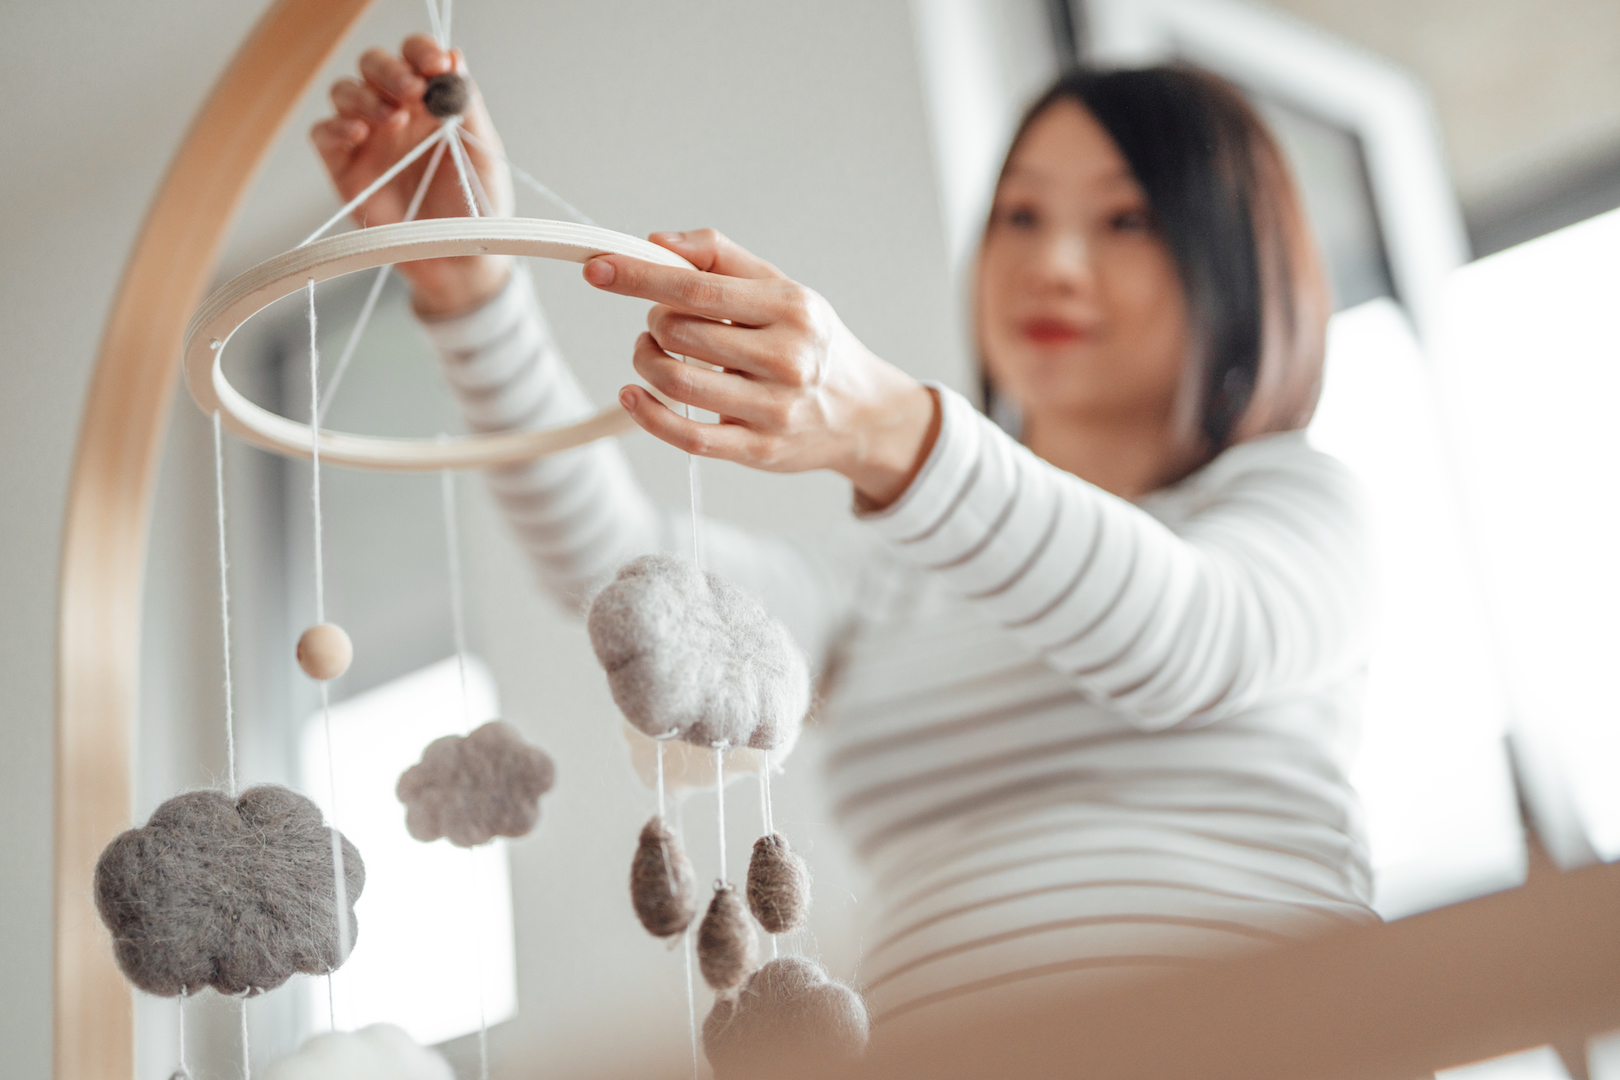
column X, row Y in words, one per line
column 1535, row 965
column 110, row 495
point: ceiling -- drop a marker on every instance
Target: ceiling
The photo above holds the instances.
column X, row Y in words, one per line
column 1527, row 93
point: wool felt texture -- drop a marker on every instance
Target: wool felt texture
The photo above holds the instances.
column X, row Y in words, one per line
column 789, row 1012
column 663, row 888
column 476, row 787
column 689, row 654
column 233, row 894
column 446, row 95
column 778, row 885
column 727, row 947
column 378, row 1052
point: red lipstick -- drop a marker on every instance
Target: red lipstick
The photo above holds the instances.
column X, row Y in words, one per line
column 1052, row 331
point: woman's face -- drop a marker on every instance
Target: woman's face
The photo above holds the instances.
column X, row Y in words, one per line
column 1081, row 313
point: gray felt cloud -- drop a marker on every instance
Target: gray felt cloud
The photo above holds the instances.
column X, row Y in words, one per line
column 476, row 787
column 237, row 895
column 789, row 1011
column 689, row 654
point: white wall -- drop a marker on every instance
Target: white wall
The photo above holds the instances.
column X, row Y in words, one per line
column 798, row 130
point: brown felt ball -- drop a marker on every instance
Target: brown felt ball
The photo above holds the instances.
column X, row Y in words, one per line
column 727, row 947
column 778, row 885
column 446, row 95
column 789, row 1014
column 325, row 651
column 661, row 881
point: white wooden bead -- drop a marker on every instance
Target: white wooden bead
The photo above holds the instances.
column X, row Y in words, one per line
column 325, row 651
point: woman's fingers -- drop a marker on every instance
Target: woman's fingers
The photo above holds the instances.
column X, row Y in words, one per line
column 739, row 348
column 356, row 101
column 391, row 77
column 709, row 250
column 336, row 140
column 424, row 54
column 711, row 295
column 729, row 442
column 730, row 395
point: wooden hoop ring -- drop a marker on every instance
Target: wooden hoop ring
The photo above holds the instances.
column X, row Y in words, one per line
column 239, row 299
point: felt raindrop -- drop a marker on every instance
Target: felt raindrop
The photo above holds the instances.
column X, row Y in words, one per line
column 727, row 947
column 662, row 886
column 474, row 788
column 789, row 1011
column 778, row 885
column 690, row 655
column 236, row 894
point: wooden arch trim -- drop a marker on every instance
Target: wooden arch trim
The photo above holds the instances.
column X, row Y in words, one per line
column 110, row 496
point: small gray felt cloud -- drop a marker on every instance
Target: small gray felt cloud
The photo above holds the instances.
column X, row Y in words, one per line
column 690, row 655
column 476, row 787
column 233, row 894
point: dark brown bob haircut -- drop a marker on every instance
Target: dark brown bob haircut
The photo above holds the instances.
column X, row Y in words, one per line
column 1224, row 202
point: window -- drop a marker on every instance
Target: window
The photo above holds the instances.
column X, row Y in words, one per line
column 435, row 920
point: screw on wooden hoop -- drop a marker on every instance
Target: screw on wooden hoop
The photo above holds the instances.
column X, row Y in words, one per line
column 244, row 296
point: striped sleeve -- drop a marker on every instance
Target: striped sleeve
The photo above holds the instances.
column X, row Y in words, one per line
column 580, row 513
column 1261, row 592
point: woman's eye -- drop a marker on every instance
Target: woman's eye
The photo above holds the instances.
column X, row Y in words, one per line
column 1018, row 217
column 1135, row 220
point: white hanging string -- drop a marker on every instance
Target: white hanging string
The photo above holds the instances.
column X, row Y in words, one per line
column 458, row 629
column 770, row 826
column 544, row 191
column 720, row 802
column 691, row 993
column 377, row 283
column 246, row 1060
column 436, row 26
column 444, row 21
column 486, row 206
column 183, row 1072
column 659, row 752
column 377, row 185
column 461, row 168
column 224, row 608
column 340, row 888
column 458, row 624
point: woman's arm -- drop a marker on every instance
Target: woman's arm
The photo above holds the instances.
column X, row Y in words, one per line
column 1261, row 592
column 578, row 514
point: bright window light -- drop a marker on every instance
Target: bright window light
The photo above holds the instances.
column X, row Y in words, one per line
column 1541, row 1063
column 435, row 920
column 1442, row 816
column 1530, row 351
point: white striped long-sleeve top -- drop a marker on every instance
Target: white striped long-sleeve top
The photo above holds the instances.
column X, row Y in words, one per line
column 1074, row 738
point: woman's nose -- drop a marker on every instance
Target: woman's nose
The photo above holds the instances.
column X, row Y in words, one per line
column 1062, row 263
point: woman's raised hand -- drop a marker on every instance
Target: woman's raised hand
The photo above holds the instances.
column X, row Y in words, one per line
column 797, row 391
column 380, row 117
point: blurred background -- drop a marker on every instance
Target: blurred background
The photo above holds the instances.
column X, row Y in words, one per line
column 1460, row 158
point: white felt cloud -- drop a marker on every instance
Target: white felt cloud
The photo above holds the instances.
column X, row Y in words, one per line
column 378, row 1052
column 691, row 656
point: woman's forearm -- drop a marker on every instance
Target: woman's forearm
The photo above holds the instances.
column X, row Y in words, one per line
column 1261, row 591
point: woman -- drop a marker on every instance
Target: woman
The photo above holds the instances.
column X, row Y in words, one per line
column 1092, row 687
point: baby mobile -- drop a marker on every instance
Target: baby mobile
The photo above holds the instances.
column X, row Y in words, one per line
column 240, row 890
